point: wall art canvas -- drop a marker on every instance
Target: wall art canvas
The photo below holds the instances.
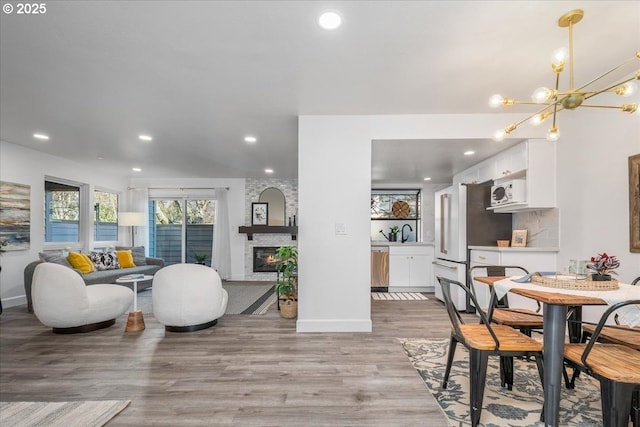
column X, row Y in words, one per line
column 259, row 213
column 15, row 216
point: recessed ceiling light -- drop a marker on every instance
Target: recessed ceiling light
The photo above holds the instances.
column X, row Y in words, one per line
column 145, row 137
column 100, row 158
column 268, row 171
column 428, row 178
column 469, row 153
column 250, row 139
column 136, row 169
column 40, row 136
column 329, row 20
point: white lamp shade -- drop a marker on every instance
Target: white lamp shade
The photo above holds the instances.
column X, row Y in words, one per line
column 131, row 219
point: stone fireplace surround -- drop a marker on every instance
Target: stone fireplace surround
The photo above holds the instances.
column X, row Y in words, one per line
column 253, row 188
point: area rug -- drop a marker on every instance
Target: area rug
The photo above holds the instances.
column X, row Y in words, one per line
column 60, row 414
column 398, row 296
column 244, row 298
column 501, row 407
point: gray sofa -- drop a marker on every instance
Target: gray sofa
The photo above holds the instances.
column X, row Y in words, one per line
column 98, row 277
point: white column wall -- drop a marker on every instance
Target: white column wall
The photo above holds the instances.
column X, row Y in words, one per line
column 334, row 187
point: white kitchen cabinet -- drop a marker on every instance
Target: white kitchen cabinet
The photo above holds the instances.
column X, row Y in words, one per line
column 410, row 268
column 469, row 176
column 532, row 259
column 511, row 161
column 539, row 159
column 486, row 170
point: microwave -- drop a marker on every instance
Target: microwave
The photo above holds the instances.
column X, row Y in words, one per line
column 513, row 191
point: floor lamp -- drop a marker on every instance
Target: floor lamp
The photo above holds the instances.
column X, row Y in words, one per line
column 131, row 219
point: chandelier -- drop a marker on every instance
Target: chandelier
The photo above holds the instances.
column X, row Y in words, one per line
column 552, row 100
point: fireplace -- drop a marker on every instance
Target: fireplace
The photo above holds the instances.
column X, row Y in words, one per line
column 264, row 259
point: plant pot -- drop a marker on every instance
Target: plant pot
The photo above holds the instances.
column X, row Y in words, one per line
column 601, row 277
column 289, row 309
column 393, row 237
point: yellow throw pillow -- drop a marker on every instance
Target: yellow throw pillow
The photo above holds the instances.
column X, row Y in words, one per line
column 81, row 262
column 125, row 258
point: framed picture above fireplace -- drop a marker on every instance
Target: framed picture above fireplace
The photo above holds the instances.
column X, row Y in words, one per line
column 259, row 213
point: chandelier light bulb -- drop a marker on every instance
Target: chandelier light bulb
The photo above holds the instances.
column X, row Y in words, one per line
column 559, row 56
column 541, row 95
column 626, row 89
column 496, row 101
column 539, row 118
column 499, row 135
column 553, row 134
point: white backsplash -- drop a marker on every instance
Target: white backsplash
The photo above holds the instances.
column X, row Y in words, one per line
column 542, row 227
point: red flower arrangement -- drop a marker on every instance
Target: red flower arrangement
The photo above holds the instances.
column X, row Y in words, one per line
column 604, row 264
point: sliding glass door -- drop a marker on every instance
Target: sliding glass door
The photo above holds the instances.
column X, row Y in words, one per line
column 181, row 230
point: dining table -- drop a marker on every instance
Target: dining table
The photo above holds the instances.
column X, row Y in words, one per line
column 556, row 303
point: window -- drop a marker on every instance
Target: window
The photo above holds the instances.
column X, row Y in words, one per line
column 181, row 230
column 105, row 221
column 62, row 212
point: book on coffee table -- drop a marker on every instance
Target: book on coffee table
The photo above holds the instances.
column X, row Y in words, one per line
column 132, row 277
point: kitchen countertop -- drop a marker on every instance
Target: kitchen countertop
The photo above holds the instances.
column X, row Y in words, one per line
column 514, row 249
column 382, row 243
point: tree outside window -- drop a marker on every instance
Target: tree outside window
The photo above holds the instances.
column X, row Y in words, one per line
column 105, row 216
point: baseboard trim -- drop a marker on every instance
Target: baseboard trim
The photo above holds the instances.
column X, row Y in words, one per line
column 14, row 301
column 334, row 325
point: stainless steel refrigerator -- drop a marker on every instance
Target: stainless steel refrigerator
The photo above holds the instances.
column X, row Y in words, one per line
column 462, row 220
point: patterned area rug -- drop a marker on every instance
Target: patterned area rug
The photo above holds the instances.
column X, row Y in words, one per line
column 398, row 296
column 519, row 407
column 60, row 414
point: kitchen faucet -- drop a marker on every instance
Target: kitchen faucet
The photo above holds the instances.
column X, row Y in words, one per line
column 402, row 233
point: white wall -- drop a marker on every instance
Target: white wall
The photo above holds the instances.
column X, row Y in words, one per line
column 334, row 187
column 593, row 187
column 235, row 198
column 334, row 181
column 29, row 167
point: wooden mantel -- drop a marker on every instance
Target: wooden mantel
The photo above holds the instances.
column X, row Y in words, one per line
column 268, row 229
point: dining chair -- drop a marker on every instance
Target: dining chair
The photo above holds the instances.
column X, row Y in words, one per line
column 499, row 312
column 616, row 367
column 616, row 334
column 483, row 340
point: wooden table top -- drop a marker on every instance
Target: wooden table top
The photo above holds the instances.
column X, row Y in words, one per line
column 546, row 297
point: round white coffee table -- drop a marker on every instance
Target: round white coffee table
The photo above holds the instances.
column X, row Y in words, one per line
column 135, row 322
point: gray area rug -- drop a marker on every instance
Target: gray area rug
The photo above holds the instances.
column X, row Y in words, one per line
column 60, row 414
column 501, row 407
column 244, row 297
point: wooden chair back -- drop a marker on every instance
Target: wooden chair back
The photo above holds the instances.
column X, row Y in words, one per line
column 601, row 325
column 493, row 270
column 454, row 315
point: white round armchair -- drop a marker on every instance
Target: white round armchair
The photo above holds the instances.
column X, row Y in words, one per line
column 62, row 301
column 188, row 297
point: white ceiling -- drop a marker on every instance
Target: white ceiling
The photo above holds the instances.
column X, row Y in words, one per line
column 198, row 76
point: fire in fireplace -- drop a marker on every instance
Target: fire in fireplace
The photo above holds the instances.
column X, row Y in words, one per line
column 264, row 259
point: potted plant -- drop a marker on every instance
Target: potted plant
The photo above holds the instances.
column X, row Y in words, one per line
column 200, row 258
column 603, row 265
column 287, row 283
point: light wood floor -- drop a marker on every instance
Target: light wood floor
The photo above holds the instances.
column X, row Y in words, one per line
column 245, row 371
